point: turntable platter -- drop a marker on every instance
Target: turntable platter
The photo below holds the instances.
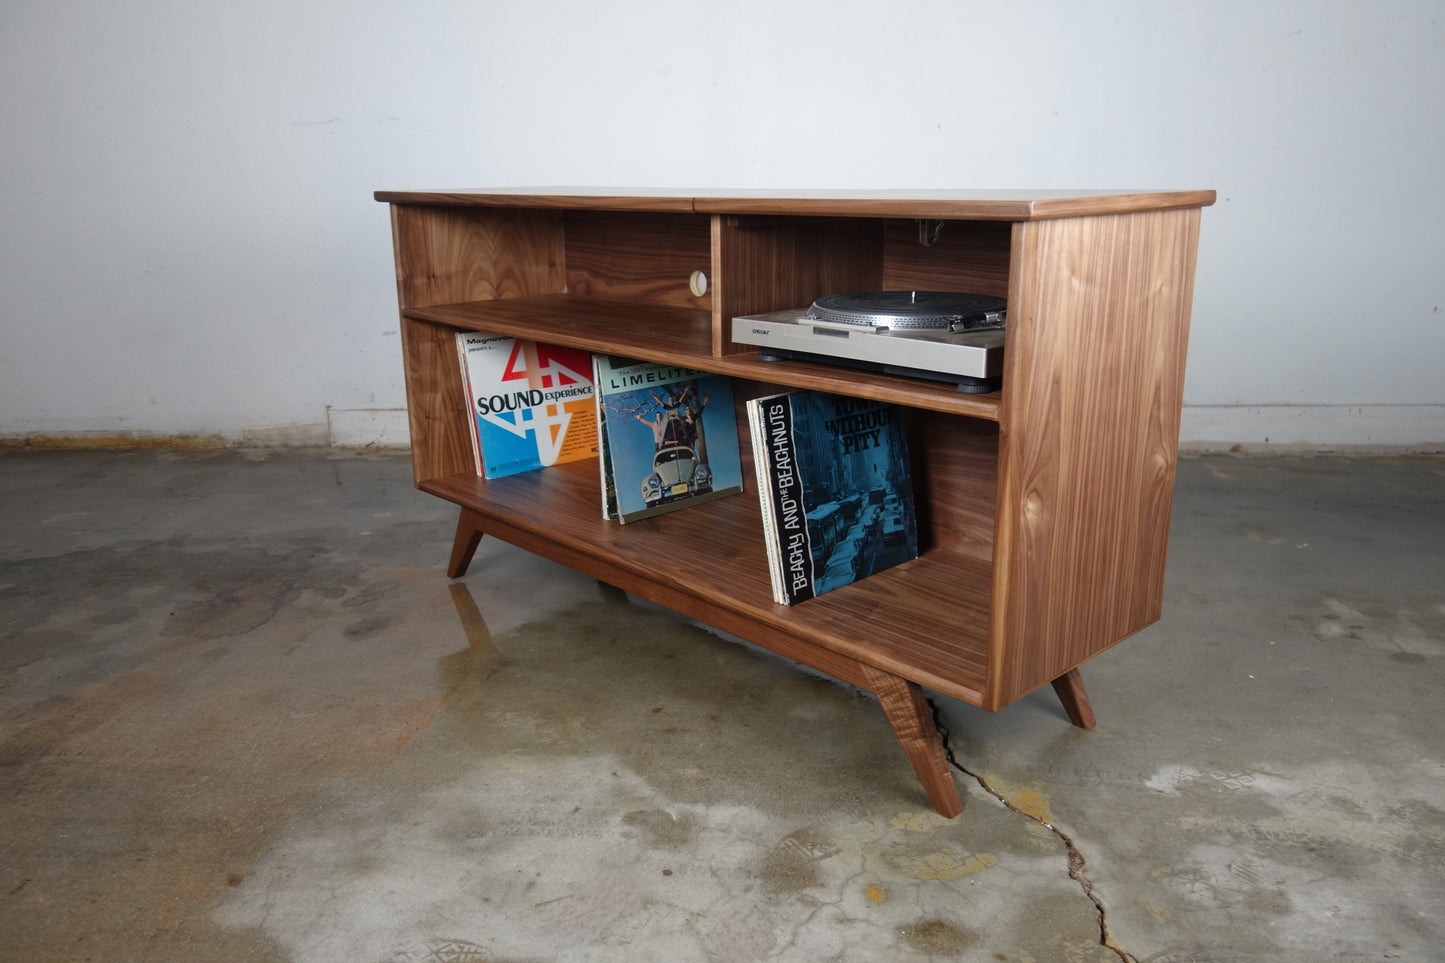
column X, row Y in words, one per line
column 938, row 310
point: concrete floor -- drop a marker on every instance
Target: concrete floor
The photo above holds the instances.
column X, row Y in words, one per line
column 245, row 716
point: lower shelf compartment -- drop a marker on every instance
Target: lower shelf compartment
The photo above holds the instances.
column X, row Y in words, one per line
column 925, row 620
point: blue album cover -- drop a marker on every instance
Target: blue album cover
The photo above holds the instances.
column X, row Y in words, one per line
column 669, row 436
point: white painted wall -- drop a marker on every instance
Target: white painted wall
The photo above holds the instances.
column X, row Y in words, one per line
column 188, row 244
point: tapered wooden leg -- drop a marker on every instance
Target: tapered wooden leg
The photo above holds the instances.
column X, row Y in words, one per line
column 1070, row 689
column 464, row 546
column 907, row 710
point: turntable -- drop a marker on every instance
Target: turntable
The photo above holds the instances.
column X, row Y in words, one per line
column 947, row 336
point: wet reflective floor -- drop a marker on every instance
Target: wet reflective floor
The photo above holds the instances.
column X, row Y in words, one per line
column 245, row 716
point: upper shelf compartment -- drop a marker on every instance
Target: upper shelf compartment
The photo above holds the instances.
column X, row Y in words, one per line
column 665, row 273
column 777, row 263
column 463, row 253
column 657, row 332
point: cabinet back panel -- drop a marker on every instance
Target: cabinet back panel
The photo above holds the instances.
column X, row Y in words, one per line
column 639, row 257
column 446, row 255
column 954, row 462
column 780, row 263
column 968, row 256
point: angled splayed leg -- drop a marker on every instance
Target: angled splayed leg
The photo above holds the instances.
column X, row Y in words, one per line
column 464, row 546
column 907, row 710
column 1070, row 690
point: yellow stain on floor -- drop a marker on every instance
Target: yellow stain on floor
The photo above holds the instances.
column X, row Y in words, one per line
column 1032, row 802
column 919, row 822
column 946, row 866
column 1027, row 800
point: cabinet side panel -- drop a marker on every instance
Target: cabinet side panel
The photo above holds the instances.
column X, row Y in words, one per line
column 1089, row 431
column 763, row 264
column 437, row 407
column 447, row 255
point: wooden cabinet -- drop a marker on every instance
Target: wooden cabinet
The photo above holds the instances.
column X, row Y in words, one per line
column 1043, row 507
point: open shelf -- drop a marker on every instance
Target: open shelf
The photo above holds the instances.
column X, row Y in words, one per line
column 682, row 336
column 927, row 617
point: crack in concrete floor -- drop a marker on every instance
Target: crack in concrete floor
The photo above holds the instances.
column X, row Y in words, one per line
column 1077, row 864
column 186, row 672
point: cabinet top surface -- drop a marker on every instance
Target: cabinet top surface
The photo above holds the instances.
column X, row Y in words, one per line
column 1007, row 205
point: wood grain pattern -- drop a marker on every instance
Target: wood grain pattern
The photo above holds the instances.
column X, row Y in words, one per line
column 1094, row 373
column 548, row 199
column 954, row 464
column 437, row 408
column 465, row 542
column 983, row 205
column 646, row 258
column 1070, row 689
column 968, row 256
column 908, row 712
column 467, row 254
